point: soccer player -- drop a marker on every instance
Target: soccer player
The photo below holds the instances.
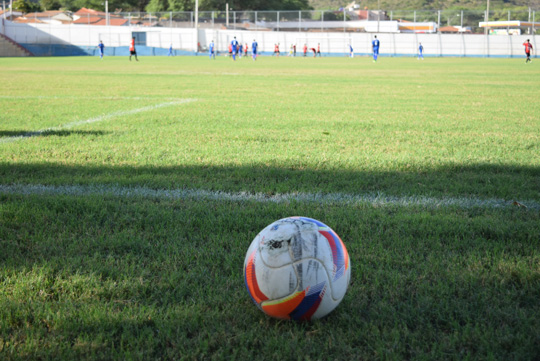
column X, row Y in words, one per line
column 319, row 49
column 305, row 50
column 351, row 51
column 132, row 50
column 234, row 48
column 528, row 47
column 211, row 51
column 420, row 51
column 170, row 51
column 240, row 50
column 276, row 50
column 375, row 46
column 254, row 46
column 314, row 51
column 245, row 50
column 101, row 48
column 294, row 50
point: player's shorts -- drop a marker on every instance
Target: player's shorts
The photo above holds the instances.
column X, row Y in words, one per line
column 132, row 52
column 376, row 50
column 528, row 53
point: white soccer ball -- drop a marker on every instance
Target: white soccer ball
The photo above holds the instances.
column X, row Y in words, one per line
column 297, row 268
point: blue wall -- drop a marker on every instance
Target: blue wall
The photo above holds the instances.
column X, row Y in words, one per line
column 72, row 50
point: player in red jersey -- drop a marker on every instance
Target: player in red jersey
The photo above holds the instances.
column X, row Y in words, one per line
column 276, row 49
column 132, row 50
column 528, row 48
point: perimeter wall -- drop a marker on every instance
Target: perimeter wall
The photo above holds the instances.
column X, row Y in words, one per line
column 69, row 40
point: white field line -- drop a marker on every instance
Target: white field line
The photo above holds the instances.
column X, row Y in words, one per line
column 377, row 199
column 94, row 120
column 70, row 97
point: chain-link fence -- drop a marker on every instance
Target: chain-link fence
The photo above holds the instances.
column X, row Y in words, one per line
column 459, row 21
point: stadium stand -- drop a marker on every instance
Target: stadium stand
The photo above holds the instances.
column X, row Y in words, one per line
column 10, row 48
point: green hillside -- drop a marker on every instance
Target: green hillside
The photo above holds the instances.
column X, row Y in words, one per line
column 426, row 4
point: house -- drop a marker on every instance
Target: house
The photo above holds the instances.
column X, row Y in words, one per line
column 86, row 16
column 10, row 15
column 50, row 17
column 454, row 29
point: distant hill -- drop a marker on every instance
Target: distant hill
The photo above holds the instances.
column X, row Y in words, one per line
column 427, row 4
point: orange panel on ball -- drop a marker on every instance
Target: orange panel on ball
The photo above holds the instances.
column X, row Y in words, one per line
column 282, row 308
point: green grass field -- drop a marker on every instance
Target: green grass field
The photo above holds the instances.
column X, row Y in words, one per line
column 130, row 192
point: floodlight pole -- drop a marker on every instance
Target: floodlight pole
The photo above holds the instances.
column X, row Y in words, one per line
column 107, row 12
column 227, row 15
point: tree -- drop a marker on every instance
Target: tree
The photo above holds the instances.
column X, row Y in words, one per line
column 50, row 4
column 25, row 6
column 155, row 6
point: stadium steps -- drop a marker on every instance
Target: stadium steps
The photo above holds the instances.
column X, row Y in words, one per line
column 10, row 48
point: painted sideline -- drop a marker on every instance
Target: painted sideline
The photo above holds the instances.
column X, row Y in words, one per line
column 94, row 120
column 375, row 199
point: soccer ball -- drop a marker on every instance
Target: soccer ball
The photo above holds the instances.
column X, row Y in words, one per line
column 297, row 268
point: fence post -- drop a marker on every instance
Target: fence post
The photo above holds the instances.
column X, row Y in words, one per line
column 534, row 33
column 277, row 19
column 299, row 20
column 191, row 19
column 486, row 38
column 256, row 20
column 508, row 36
column 529, row 20
column 461, row 21
column 391, row 15
column 234, row 19
column 212, row 19
column 344, row 17
column 322, row 20
column 170, row 19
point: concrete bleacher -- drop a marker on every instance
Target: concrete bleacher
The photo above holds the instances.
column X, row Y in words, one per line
column 10, row 48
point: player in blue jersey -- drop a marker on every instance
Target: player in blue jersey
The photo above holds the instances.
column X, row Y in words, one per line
column 420, row 51
column 170, row 51
column 101, row 48
column 234, row 47
column 254, row 46
column 351, row 51
column 375, row 46
column 211, row 51
column 240, row 50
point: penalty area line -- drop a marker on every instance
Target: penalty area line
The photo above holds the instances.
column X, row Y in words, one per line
column 94, row 120
column 377, row 200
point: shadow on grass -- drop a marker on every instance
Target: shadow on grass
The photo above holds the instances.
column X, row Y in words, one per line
column 48, row 133
column 481, row 180
column 151, row 276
